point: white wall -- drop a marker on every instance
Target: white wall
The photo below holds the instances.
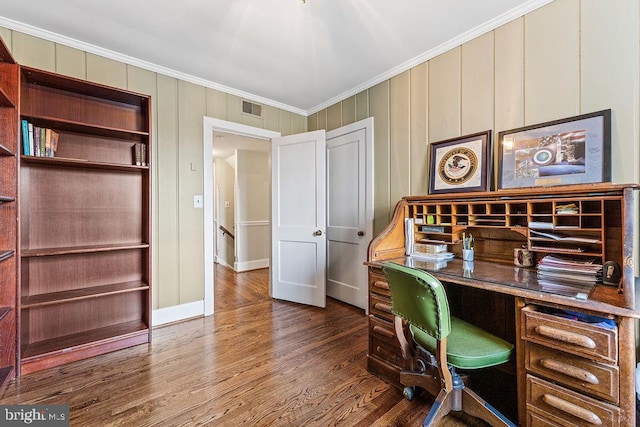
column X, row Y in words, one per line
column 253, row 179
column 225, row 181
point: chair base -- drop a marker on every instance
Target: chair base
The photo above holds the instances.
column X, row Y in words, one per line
column 464, row 399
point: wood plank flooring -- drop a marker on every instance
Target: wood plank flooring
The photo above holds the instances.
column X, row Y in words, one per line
column 256, row 362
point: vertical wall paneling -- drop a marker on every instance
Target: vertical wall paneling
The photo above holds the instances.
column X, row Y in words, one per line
column 509, row 75
column 33, row 51
column 234, row 109
column 334, row 116
column 362, row 105
column 418, row 160
column 349, row 110
column 191, row 109
column 609, row 76
column 284, row 123
column 312, row 122
column 399, row 136
column 106, row 71
column 7, row 37
column 298, row 124
column 71, row 62
column 270, row 118
column 167, row 282
column 216, row 104
column 552, row 56
column 477, row 90
column 322, row 119
column 444, row 96
column 379, row 108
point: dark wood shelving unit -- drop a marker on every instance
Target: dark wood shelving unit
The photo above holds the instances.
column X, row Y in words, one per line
column 9, row 78
column 79, row 163
column 85, row 238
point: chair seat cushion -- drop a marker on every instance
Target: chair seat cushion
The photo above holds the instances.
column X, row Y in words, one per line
column 468, row 347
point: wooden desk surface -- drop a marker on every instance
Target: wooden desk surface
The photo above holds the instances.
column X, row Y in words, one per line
column 516, row 281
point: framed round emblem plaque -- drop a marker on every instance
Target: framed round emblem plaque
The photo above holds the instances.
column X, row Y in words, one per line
column 460, row 164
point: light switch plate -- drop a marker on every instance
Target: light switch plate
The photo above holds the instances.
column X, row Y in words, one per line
column 197, row 201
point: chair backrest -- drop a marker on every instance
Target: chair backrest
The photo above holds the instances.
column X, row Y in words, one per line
column 419, row 298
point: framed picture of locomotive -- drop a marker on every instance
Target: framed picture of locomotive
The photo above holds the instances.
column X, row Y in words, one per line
column 575, row 150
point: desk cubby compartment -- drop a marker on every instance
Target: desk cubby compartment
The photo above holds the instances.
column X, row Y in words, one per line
column 487, row 215
column 461, row 214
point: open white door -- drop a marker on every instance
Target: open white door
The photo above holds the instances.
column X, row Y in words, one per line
column 349, row 211
column 298, row 202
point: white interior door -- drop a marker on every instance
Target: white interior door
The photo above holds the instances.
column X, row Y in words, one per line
column 349, row 211
column 298, row 200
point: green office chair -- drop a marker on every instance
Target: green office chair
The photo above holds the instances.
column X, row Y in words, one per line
column 442, row 343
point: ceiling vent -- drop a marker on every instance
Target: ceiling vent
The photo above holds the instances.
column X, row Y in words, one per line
column 251, row 108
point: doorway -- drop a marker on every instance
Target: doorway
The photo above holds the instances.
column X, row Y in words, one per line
column 210, row 127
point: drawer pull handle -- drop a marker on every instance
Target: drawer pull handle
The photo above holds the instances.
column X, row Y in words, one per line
column 571, row 409
column 565, row 336
column 383, row 331
column 571, row 371
column 381, row 285
column 383, row 307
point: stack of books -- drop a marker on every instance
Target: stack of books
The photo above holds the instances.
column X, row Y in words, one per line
column 38, row 141
column 140, row 154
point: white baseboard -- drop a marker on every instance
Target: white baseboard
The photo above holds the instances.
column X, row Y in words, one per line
column 221, row 262
column 177, row 312
column 251, row 265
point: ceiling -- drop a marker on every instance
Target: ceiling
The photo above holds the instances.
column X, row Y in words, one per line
column 295, row 55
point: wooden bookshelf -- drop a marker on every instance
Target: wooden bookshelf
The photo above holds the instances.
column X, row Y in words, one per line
column 9, row 72
column 85, row 222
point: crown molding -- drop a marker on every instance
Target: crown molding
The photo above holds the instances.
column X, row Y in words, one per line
column 444, row 47
column 463, row 38
column 90, row 48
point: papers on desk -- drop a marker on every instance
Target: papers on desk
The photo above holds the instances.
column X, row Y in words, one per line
column 566, row 275
column 559, row 237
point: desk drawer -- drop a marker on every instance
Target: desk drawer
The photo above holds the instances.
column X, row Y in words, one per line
column 568, row 335
column 600, row 380
column 382, row 329
column 381, row 307
column 378, row 282
column 566, row 407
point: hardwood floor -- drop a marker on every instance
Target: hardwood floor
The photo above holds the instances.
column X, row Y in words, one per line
column 256, row 362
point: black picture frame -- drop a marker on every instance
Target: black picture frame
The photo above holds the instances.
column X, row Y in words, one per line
column 461, row 164
column 573, row 150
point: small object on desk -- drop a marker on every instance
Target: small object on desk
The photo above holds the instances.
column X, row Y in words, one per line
column 467, row 247
column 581, row 295
column 522, row 257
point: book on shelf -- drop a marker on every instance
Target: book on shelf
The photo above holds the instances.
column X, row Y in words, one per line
column 140, row 154
column 25, row 137
column 38, row 141
column 30, row 139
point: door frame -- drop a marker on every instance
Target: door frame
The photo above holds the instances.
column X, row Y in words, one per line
column 209, row 125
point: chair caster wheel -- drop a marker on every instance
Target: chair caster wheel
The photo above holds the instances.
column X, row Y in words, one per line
column 409, row 393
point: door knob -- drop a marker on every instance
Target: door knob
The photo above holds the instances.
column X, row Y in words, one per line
column 360, row 233
column 317, row 233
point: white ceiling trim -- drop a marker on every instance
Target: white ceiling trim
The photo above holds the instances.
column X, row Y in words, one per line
column 463, row 38
column 150, row 66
